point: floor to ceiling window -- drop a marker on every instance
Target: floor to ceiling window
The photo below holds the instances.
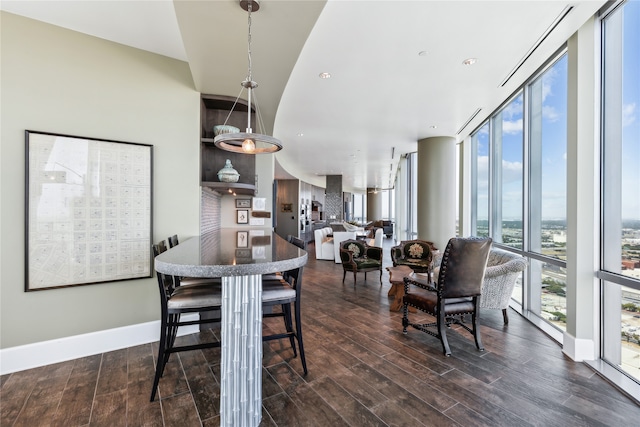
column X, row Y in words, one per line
column 480, row 182
column 547, row 193
column 358, row 202
column 507, row 135
column 388, row 204
column 412, row 205
column 519, row 187
column 620, row 184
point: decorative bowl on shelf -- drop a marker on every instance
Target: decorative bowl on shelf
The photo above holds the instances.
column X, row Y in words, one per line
column 220, row 129
column 228, row 173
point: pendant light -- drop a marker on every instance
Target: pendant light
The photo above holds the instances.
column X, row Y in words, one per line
column 248, row 142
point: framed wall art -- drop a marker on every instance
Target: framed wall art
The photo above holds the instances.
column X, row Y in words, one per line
column 242, row 216
column 88, row 210
column 243, row 203
column 242, row 255
column 242, row 239
column 259, row 203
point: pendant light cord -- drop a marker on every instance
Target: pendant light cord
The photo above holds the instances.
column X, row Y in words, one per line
column 249, row 76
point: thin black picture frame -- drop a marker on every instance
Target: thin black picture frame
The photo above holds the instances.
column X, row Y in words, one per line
column 243, row 203
column 242, row 239
column 242, row 216
column 89, row 210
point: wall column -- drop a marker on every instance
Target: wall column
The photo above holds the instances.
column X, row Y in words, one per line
column 374, row 205
column 333, row 202
column 580, row 341
column 437, row 190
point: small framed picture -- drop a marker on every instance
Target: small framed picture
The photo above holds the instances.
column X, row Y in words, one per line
column 243, row 203
column 259, row 204
column 242, row 239
column 243, row 216
column 258, row 252
column 243, row 253
column 256, row 221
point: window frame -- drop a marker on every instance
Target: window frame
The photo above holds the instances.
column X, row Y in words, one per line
column 530, row 306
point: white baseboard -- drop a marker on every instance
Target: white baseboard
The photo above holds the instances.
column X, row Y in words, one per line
column 14, row 359
column 577, row 349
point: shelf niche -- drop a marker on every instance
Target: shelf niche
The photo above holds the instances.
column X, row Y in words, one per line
column 214, row 110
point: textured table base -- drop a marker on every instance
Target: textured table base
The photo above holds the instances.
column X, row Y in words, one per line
column 396, row 278
column 241, row 358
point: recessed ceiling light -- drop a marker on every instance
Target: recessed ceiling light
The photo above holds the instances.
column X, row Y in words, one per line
column 469, row 61
column 301, row 134
column 325, row 75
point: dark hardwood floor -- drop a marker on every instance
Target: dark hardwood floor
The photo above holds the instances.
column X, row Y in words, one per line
column 362, row 371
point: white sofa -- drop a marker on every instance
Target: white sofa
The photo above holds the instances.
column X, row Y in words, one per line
column 329, row 247
column 339, row 237
column 324, row 243
column 345, row 226
column 377, row 239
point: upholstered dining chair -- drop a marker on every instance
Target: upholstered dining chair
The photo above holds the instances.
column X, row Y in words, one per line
column 173, row 241
column 456, row 293
column 357, row 256
column 503, row 270
column 197, row 297
column 286, row 292
column 186, row 281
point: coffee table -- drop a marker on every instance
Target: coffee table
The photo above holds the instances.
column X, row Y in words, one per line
column 396, row 278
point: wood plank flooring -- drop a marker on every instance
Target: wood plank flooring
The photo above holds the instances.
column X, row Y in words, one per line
column 362, row 372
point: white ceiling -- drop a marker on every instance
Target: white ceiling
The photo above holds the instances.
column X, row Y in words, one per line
column 382, row 97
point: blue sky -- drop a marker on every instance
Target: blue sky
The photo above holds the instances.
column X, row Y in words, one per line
column 553, row 150
column 554, row 90
column 630, row 110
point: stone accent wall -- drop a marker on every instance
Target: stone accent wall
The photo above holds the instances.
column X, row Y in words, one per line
column 333, row 203
column 210, row 220
column 210, row 207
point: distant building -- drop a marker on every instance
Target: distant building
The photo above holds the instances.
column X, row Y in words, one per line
column 630, row 264
column 560, row 237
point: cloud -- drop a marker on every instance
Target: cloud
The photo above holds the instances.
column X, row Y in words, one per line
column 628, row 114
column 550, row 113
column 511, row 172
column 512, row 126
column 483, row 174
column 548, row 79
column 482, row 139
column 483, row 165
column 514, row 109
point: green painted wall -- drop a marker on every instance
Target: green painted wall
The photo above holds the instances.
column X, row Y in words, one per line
column 56, row 80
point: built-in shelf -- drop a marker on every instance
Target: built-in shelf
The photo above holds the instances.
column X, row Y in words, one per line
column 235, row 187
column 214, row 110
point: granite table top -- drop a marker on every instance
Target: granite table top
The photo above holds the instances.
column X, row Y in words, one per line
column 231, row 252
